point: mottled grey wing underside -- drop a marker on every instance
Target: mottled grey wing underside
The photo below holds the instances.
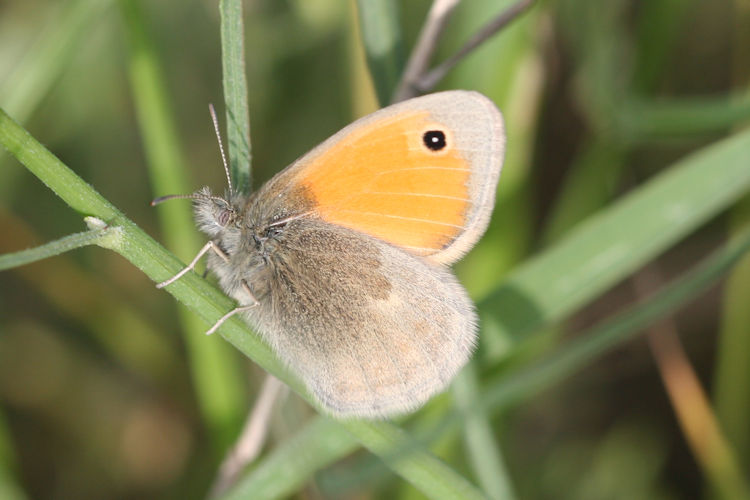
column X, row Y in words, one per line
column 372, row 329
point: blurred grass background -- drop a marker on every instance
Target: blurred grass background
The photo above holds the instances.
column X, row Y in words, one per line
column 105, row 394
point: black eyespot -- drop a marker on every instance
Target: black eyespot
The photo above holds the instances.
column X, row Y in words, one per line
column 434, row 140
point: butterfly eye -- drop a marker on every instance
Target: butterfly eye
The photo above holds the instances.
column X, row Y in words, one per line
column 434, row 140
column 223, row 217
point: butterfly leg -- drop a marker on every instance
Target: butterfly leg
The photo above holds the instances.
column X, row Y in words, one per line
column 235, row 310
column 208, row 246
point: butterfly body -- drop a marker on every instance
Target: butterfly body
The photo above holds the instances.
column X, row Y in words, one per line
column 344, row 254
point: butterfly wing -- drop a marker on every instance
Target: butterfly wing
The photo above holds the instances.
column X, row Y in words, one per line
column 420, row 175
column 372, row 330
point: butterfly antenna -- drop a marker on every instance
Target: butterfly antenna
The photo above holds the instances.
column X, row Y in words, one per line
column 221, row 147
column 162, row 199
column 193, row 196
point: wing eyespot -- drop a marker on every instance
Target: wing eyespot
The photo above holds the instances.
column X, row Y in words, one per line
column 435, row 140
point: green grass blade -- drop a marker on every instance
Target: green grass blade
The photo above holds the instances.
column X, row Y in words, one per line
column 293, row 462
column 321, row 443
column 659, row 25
column 732, row 368
column 9, row 487
column 123, row 331
column 381, row 37
column 62, row 245
column 422, row 469
column 235, row 93
column 612, row 244
column 594, row 342
column 590, row 184
column 215, row 369
column 732, row 377
column 79, row 195
column 22, row 90
column 48, row 58
column 595, row 174
column 657, row 119
column 479, row 438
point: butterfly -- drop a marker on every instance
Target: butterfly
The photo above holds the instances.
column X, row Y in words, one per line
column 340, row 261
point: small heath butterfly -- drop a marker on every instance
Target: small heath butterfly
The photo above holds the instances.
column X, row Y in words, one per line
column 340, row 261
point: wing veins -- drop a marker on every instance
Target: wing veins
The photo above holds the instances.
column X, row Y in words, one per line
column 426, row 195
column 421, row 168
column 415, row 219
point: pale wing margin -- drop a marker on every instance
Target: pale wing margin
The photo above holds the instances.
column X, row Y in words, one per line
column 480, row 137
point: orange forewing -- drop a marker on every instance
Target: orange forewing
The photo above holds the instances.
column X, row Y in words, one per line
column 382, row 180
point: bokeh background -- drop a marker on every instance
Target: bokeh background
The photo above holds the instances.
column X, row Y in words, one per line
column 104, row 395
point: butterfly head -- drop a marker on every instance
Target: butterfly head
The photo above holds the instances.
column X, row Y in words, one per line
column 214, row 214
